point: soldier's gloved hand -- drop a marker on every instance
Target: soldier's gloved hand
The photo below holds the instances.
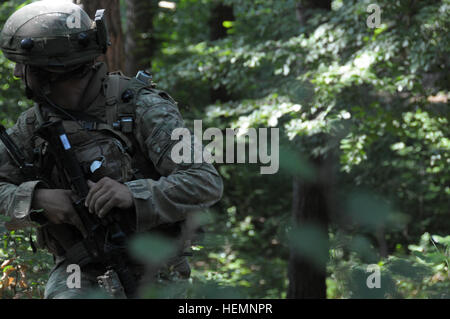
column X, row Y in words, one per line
column 57, row 206
column 107, row 194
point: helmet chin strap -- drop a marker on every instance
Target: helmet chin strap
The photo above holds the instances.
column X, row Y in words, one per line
column 57, row 107
column 46, row 78
column 41, row 96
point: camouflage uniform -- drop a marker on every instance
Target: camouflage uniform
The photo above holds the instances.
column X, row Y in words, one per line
column 165, row 193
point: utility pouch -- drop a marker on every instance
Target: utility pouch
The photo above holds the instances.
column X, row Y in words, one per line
column 110, row 283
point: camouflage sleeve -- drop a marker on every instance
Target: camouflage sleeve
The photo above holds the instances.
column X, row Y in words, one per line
column 183, row 188
column 16, row 193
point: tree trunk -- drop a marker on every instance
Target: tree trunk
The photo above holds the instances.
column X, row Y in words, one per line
column 115, row 55
column 140, row 43
column 219, row 14
column 304, row 5
column 310, row 206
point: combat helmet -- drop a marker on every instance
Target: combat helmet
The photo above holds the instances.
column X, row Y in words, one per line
column 56, row 36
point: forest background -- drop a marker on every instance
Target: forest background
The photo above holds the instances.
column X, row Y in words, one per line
column 364, row 131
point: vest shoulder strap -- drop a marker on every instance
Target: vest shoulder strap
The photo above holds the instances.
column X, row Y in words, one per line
column 112, row 97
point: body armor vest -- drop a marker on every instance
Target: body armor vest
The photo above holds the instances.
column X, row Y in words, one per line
column 103, row 141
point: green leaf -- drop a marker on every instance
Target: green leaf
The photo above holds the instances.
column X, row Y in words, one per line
column 228, row 24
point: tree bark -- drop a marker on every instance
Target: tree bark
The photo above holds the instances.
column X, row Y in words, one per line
column 310, row 206
column 140, row 42
column 304, row 5
column 219, row 14
column 114, row 57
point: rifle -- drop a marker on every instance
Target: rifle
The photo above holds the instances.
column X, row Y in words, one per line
column 118, row 279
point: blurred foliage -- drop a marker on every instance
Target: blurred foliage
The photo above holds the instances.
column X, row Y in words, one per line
column 23, row 274
column 419, row 271
column 378, row 98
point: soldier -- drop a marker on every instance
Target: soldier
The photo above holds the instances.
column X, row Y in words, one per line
column 120, row 129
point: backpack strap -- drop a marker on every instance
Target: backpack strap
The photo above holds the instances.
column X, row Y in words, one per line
column 120, row 107
column 112, row 98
